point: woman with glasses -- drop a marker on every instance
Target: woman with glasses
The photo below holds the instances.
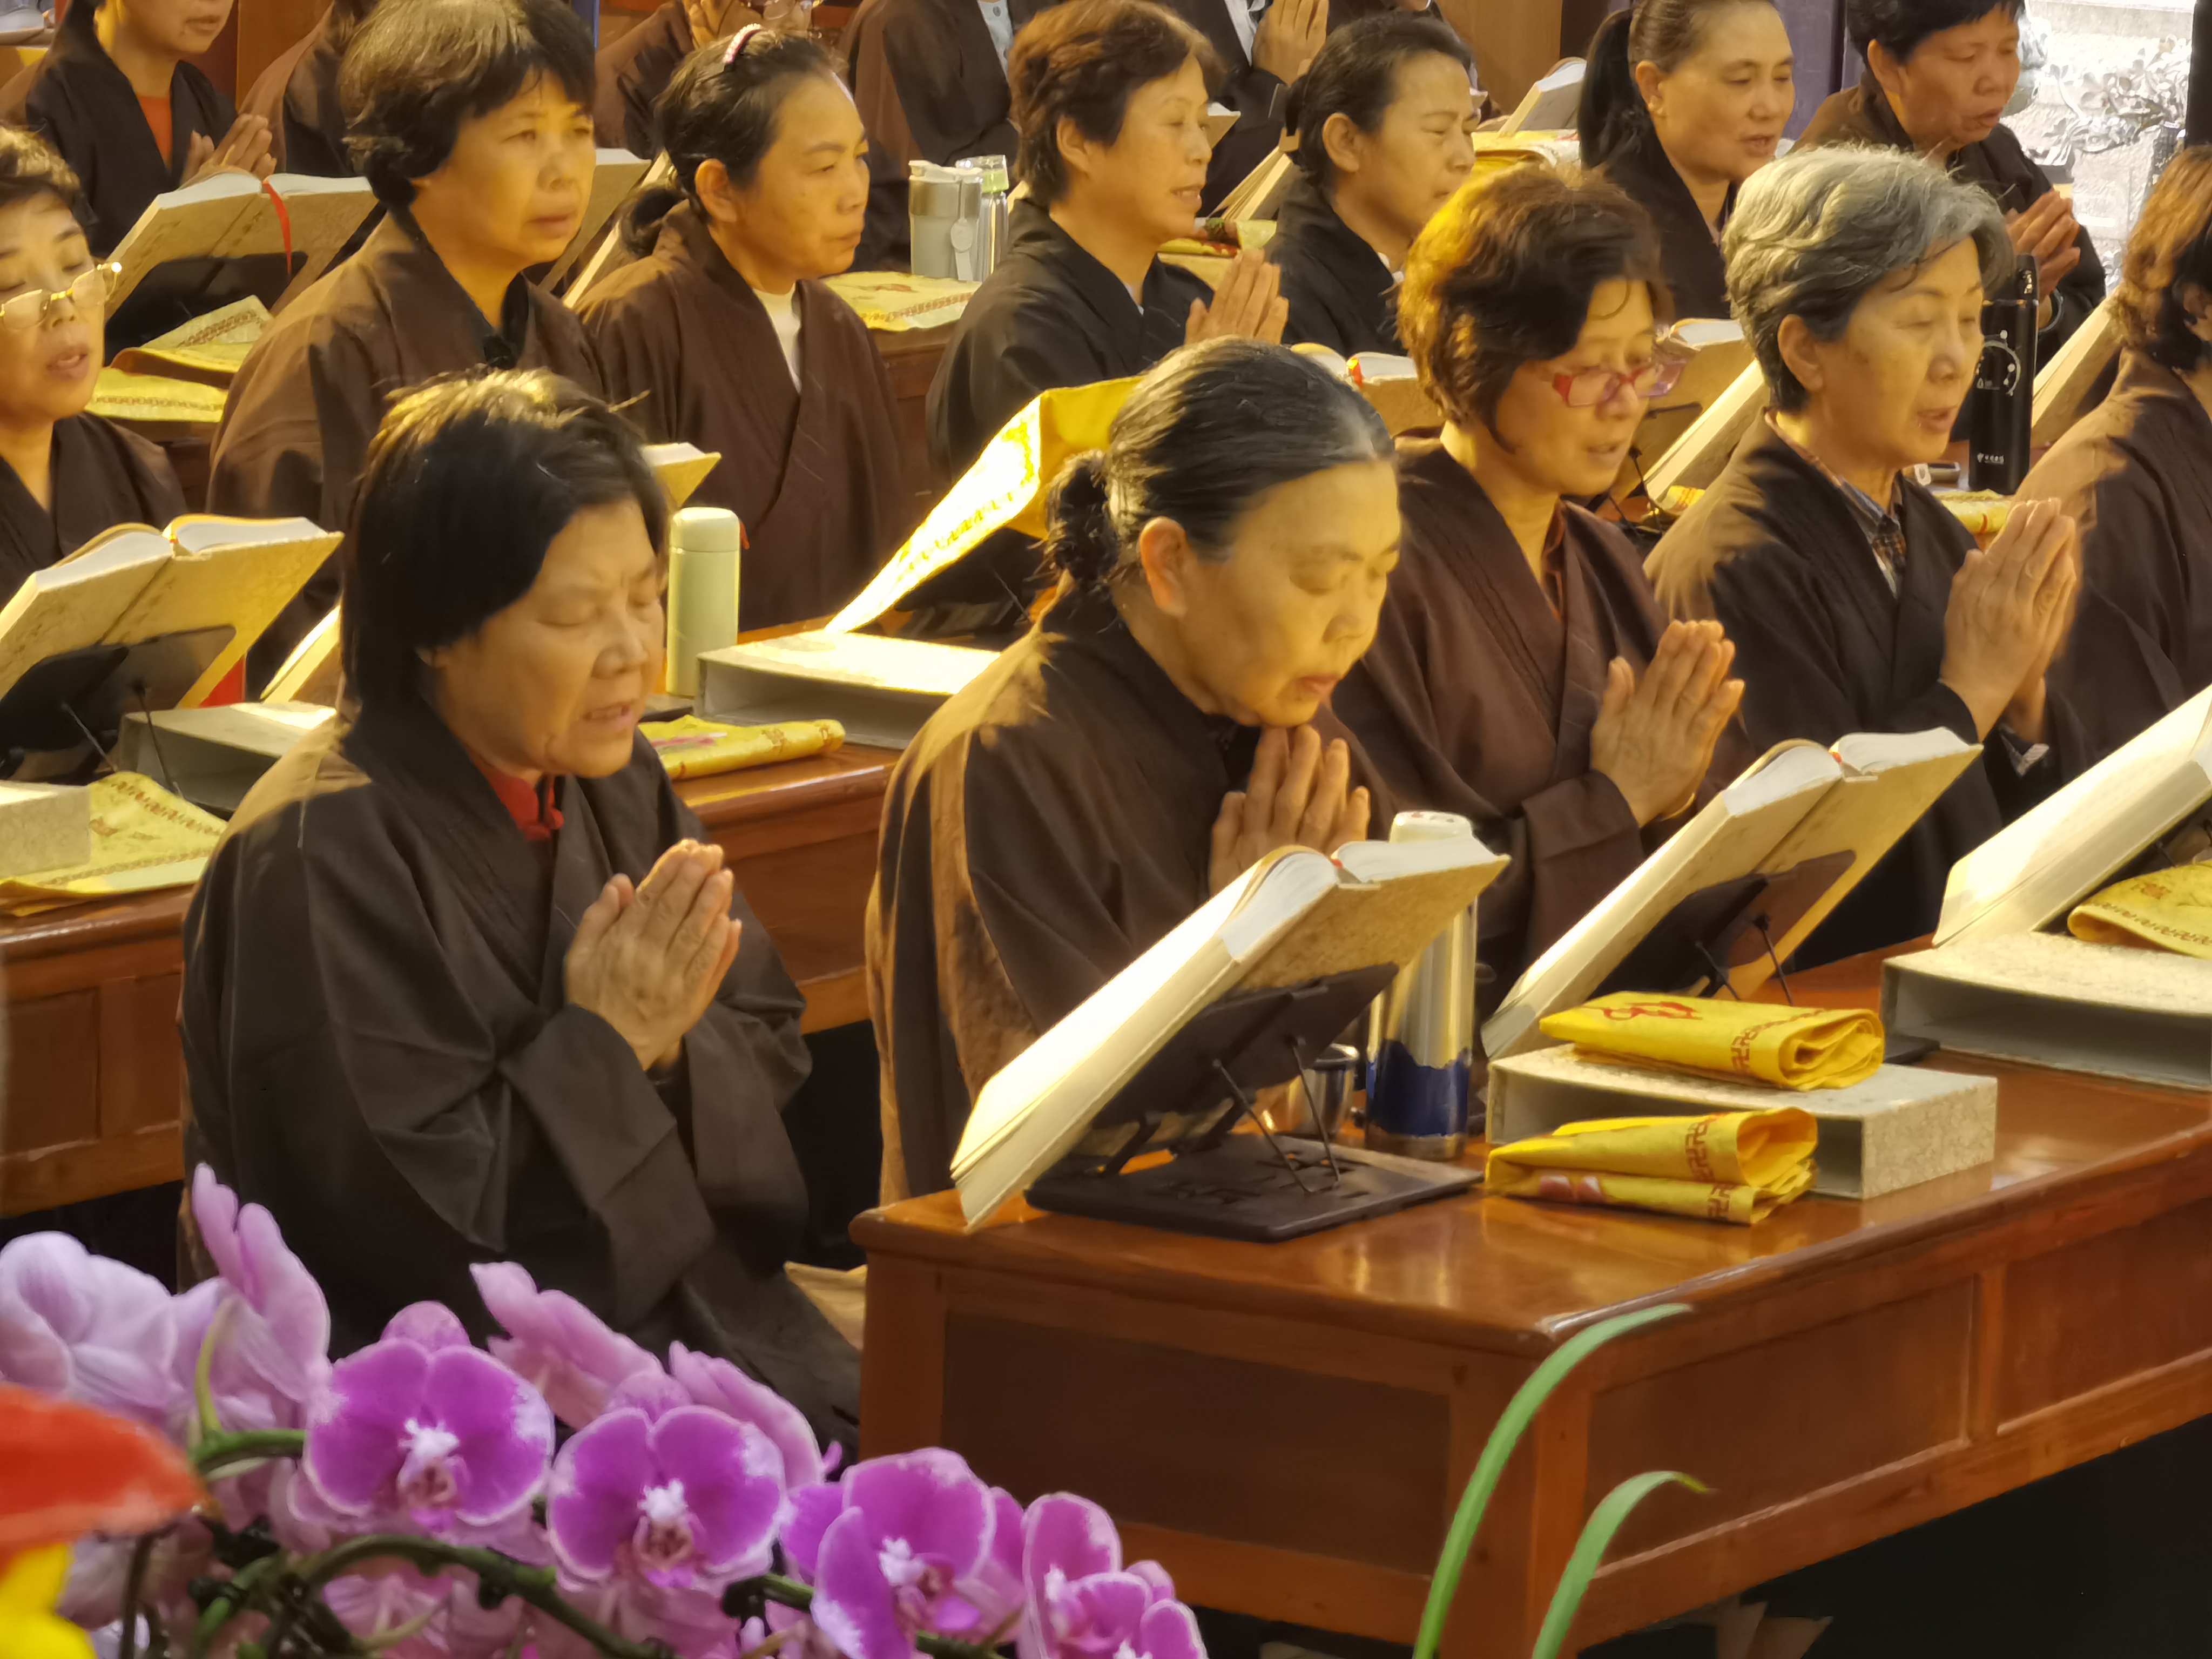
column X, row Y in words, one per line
column 1521, row 673
column 65, row 475
column 1859, row 604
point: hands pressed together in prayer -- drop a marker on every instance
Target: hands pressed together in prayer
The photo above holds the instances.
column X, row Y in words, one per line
column 1249, row 304
column 647, row 960
column 1299, row 794
column 1654, row 736
column 244, row 148
column 2048, row 230
column 2011, row 605
column 1289, row 36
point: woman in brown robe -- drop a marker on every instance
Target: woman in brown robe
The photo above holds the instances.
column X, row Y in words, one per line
column 298, row 96
column 1109, row 99
column 1523, row 675
column 2136, row 474
column 1939, row 75
column 723, row 336
column 1160, row 727
column 462, row 984
column 472, row 201
column 636, row 70
column 1382, row 120
column 65, row 475
column 1857, row 603
column 1682, row 102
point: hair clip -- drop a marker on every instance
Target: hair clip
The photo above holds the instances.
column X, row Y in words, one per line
column 739, row 41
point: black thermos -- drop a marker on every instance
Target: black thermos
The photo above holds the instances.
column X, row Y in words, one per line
column 2003, row 416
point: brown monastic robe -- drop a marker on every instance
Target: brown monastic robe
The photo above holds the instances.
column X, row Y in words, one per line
column 379, row 1046
column 1050, row 824
column 76, row 98
column 1824, row 649
column 633, row 71
column 298, row 96
column 1477, row 697
column 296, row 433
column 102, row 476
column 1342, row 293
column 2004, row 170
column 2137, row 475
column 813, row 471
column 1697, row 276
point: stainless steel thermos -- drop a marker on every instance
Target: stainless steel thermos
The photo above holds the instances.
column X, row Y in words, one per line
column 957, row 216
column 1421, row 1045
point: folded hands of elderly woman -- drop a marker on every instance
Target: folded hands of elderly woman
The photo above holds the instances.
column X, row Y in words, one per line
column 2011, row 603
column 648, row 960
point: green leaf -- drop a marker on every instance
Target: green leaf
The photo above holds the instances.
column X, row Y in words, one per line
column 1606, row 1520
column 1490, row 1468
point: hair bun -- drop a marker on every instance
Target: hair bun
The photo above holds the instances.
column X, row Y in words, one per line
column 1080, row 538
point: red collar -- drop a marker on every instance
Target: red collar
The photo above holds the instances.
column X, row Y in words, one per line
column 530, row 806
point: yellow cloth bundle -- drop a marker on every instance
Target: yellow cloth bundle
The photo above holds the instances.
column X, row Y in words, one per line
column 142, row 838
column 2166, row 911
column 1733, row 1166
column 692, row 748
column 1712, row 1036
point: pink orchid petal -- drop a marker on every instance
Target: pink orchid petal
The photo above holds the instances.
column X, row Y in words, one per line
column 429, row 1325
column 504, row 1428
column 929, row 1500
column 853, row 1601
column 717, row 1382
column 599, row 1478
column 733, row 1483
column 812, row 1508
column 356, row 1428
column 1169, row 1630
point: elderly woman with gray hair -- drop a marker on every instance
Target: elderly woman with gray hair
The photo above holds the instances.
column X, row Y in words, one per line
column 1857, row 603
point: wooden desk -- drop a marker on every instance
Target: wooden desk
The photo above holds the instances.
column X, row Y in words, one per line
column 94, row 1072
column 1288, row 1427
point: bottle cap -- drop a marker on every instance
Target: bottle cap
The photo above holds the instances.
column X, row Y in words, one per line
column 705, row 530
column 1430, row 826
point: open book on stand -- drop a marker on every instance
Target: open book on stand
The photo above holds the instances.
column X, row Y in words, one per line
column 1265, row 974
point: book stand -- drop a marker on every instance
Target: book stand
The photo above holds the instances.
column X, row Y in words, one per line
column 77, row 699
column 1184, row 1102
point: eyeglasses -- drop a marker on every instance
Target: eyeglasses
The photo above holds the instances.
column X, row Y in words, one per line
column 1593, row 386
column 88, row 293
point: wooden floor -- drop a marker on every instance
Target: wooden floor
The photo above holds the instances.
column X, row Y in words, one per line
column 1286, row 1427
column 95, row 1079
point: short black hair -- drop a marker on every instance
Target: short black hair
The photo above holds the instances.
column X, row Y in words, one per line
column 1081, row 61
column 1355, row 74
column 468, row 480
column 30, row 167
column 723, row 103
column 1902, row 25
column 419, row 68
column 2170, row 252
column 1502, row 276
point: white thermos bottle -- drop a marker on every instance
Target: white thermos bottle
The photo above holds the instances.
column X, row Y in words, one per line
column 702, row 590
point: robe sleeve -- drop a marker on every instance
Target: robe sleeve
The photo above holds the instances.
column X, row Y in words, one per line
column 631, row 345
column 2125, row 665
column 990, row 373
column 296, row 432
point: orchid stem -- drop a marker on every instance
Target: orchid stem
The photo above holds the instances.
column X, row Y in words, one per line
column 216, row 1452
column 134, row 1585
column 792, row 1594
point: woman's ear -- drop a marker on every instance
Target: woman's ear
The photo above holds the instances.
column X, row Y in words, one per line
column 1647, row 82
column 1340, row 137
column 1079, row 154
column 1166, row 555
column 717, row 195
column 1801, row 354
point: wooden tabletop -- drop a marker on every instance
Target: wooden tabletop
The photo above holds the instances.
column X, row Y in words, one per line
column 1848, row 1369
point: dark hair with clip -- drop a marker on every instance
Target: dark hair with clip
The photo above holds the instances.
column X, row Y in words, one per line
column 468, row 480
column 1355, row 74
column 723, row 103
column 420, row 67
column 1612, row 115
column 1210, row 430
column 30, row 167
column 1081, row 61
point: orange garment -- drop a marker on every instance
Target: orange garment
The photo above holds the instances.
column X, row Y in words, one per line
column 156, row 111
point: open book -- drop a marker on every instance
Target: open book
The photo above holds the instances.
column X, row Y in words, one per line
column 1698, row 457
column 230, row 217
column 1295, row 915
column 1798, row 803
column 879, row 689
column 2062, row 386
column 1552, row 104
column 133, row 584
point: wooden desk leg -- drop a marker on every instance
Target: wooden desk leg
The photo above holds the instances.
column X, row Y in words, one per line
column 903, row 1359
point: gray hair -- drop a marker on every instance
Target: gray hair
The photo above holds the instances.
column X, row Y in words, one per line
column 1816, row 233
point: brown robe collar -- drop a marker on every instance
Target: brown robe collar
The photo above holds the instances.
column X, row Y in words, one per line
column 1086, row 620
column 400, row 248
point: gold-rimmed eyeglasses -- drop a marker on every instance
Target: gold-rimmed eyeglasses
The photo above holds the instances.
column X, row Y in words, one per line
column 89, row 292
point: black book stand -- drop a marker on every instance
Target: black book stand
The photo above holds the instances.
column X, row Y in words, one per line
column 75, row 700
column 1189, row 1096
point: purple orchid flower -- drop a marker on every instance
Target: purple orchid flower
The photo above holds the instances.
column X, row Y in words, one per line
column 1083, row 1603
column 717, row 1383
column 450, row 1439
column 271, row 1325
column 77, row 1324
column 431, row 1325
column 447, row 1621
column 909, row 1551
column 689, row 1501
column 556, row 1344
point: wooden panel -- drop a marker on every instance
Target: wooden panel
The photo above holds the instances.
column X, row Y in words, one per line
column 2062, row 1337
column 55, row 1176
column 1221, row 1448
column 1833, row 1402
column 142, row 1059
column 1513, row 46
column 53, row 1072
column 267, row 30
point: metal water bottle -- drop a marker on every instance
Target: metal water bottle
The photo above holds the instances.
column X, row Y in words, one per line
column 933, row 207
column 2002, row 417
column 1421, row 1045
column 990, row 209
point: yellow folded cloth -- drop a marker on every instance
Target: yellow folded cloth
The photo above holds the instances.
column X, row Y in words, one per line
column 2166, row 911
column 1713, row 1036
column 142, row 838
column 1733, row 1166
column 692, row 748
